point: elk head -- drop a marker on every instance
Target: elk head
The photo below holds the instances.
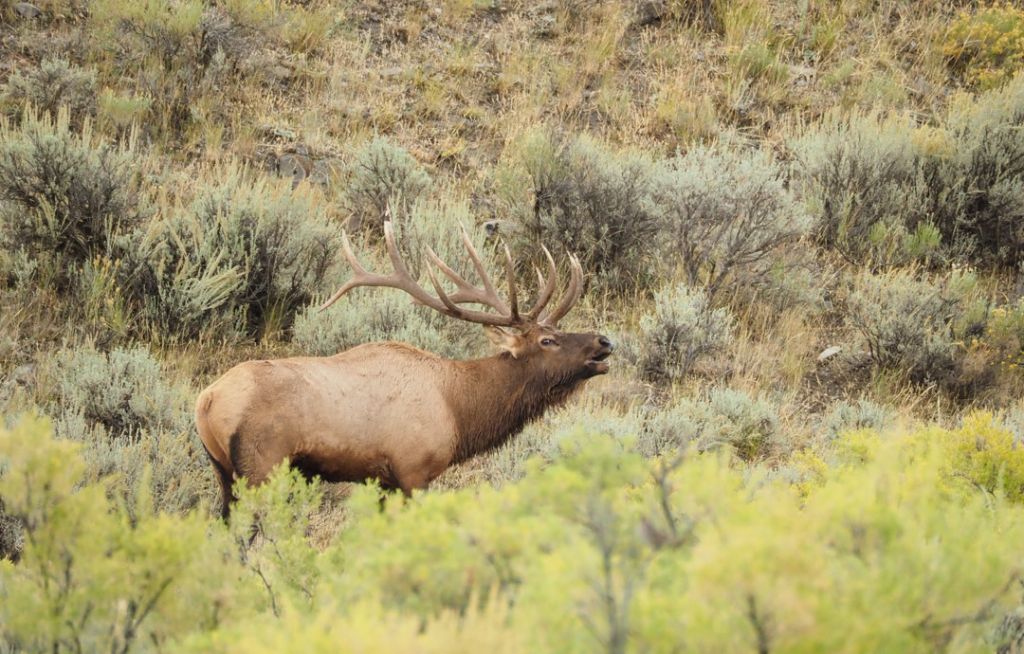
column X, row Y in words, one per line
column 531, row 337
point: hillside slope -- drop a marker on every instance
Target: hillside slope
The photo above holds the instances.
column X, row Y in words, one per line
column 800, row 222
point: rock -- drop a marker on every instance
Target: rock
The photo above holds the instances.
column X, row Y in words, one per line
column 650, row 12
column 296, row 166
column 27, row 10
column 829, row 352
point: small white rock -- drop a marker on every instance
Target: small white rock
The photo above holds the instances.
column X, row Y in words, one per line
column 829, row 352
column 26, row 10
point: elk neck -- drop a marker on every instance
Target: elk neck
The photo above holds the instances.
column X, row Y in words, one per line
column 492, row 400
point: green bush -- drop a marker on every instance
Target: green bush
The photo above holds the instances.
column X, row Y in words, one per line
column 849, row 416
column 63, row 195
column 366, row 316
column 245, row 257
column 54, row 84
column 796, row 280
column 912, row 324
column 382, row 175
column 134, row 425
column 159, row 43
column 667, row 431
column 272, row 534
column 601, row 546
column 887, row 191
column 437, row 224
column 101, row 575
column 977, row 182
column 682, row 328
column 863, row 181
column 554, row 436
column 723, row 215
column 746, row 425
column 125, row 391
column 589, row 200
column 168, row 465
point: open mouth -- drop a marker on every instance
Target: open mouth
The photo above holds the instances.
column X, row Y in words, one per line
column 598, row 363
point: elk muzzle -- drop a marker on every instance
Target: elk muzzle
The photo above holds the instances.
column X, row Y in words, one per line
column 603, row 349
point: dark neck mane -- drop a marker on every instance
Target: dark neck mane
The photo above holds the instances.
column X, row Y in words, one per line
column 494, row 398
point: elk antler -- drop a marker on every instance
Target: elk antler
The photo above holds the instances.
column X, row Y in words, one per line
column 570, row 296
column 506, row 314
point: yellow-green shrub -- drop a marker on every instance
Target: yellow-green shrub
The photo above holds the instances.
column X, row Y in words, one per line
column 983, row 454
column 987, row 46
column 896, row 544
column 94, row 576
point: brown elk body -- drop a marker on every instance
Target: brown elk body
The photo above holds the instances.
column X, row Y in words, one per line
column 389, row 411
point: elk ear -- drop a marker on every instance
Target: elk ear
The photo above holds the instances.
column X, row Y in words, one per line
column 508, row 340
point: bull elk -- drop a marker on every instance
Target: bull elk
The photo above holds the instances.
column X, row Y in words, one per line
column 394, row 413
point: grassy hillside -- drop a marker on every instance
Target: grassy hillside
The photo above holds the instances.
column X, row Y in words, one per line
column 800, row 222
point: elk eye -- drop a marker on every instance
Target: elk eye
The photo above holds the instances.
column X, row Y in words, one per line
column 547, row 341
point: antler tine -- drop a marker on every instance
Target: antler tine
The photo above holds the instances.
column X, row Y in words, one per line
column 547, row 286
column 571, row 295
column 477, row 263
column 448, row 303
column 402, row 280
column 510, row 271
column 466, row 292
column 360, row 277
column 488, row 295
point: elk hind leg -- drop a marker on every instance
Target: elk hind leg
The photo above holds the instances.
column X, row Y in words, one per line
column 225, row 478
column 226, row 494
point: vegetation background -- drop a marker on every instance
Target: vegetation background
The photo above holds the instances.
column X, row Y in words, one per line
column 803, row 222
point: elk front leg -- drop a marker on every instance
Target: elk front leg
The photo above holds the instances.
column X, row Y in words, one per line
column 418, row 477
column 413, row 482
